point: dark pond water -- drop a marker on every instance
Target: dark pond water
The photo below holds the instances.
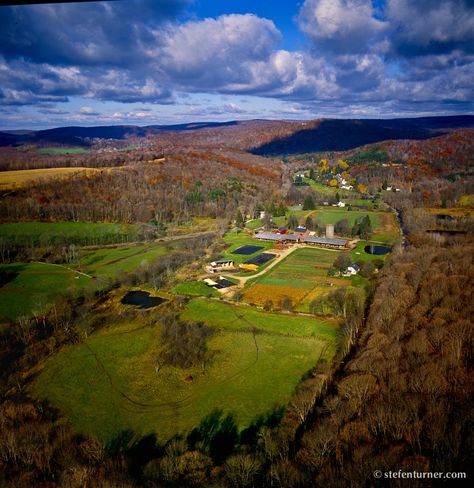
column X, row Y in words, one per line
column 444, row 217
column 446, row 232
column 142, row 299
column 377, row 250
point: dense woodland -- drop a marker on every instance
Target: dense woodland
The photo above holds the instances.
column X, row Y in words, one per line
column 398, row 395
column 187, row 183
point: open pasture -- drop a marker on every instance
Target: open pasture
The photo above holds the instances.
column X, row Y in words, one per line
column 32, row 288
column 111, row 383
column 64, row 233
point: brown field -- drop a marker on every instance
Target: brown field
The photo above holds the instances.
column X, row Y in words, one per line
column 25, row 177
column 259, row 294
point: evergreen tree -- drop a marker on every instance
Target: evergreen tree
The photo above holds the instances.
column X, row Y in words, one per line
column 281, row 210
column 239, row 219
column 292, row 222
column 309, row 224
column 308, row 203
column 365, row 230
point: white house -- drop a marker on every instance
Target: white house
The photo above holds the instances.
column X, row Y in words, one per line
column 351, row 270
column 340, row 204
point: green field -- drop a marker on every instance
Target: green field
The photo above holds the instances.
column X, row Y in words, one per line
column 82, row 233
column 35, row 286
column 331, row 215
column 112, row 262
column 195, row 288
column 63, row 150
column 110, row 384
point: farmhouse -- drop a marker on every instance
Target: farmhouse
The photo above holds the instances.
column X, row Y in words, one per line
column 351, row 270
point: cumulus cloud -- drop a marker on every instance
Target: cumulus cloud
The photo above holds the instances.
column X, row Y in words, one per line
column 140, row 52
column 340, row 25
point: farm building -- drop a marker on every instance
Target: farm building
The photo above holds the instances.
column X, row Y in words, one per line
column 317, row 241
column 221, row 265
column 325, row 242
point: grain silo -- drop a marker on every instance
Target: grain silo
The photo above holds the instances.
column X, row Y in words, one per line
column 330, row 230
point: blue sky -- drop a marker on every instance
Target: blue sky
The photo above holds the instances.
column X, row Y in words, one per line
column 172, row 61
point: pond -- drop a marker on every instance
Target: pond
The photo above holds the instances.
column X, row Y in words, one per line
column 442, row 232
column 377, row 250
column 142, row 299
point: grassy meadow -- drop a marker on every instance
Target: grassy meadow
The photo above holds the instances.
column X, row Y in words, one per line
column 33, row 287
column 110, row 382
column 82, row 233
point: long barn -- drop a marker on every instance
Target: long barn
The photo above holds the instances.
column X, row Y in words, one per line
column 311, row 240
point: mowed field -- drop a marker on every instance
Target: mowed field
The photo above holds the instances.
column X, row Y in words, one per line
column 83, row 233
column 32, row 288
column 19, row 178
column 109, row 383
column 302, row 276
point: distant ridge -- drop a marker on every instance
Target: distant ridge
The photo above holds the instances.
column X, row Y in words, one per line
column 317, row 135
column 344, row 134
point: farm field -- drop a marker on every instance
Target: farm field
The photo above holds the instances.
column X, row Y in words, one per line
column 109, row 383
column 24, row 177
column 81, row 233
column 331, row 215
column 34, row 287
column 302, row 277
column 195, row 288
column 31, row 288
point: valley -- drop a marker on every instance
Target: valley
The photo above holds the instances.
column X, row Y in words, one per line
column 256, row 280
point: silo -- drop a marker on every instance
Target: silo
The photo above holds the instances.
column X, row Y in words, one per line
column 329, row 230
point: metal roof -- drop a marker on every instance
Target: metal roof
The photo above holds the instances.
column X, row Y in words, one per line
column 325, row 240
column 270, row 236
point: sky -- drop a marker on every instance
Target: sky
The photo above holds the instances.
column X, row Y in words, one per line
column 150, row 62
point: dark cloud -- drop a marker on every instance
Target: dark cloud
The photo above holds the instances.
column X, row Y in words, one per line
column 100, row 34
column 430, row 27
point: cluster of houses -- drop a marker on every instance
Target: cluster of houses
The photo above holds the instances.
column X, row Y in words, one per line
column 343, row 183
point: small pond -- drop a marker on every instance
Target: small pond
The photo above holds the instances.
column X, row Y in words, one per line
column 142, row 299
column 442, row 232
column 449, row 218
column 377, row 250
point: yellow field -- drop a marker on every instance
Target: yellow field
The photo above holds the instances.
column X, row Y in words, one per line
column 25, row 177
column 259, row 294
